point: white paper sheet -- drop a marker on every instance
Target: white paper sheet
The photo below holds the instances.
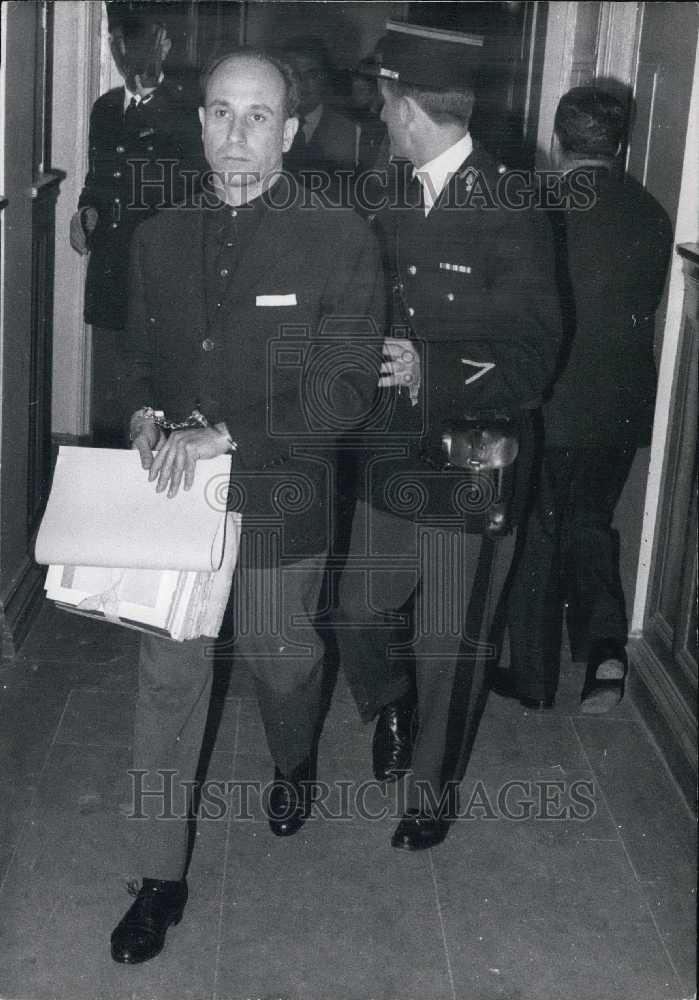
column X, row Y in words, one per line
column 102, row 511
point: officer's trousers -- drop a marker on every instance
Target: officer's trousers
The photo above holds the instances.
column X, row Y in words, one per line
column 569, row 556
column 416, row 609
column 109, row 373
column 271, row 610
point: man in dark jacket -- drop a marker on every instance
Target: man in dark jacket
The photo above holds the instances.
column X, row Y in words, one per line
column 612, row 258
column 264, row 328
column 326, row 140
column 145, row 148
column 476, row 337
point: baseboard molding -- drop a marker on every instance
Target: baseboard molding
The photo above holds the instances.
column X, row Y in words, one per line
column 668, row 716
column 20, row 604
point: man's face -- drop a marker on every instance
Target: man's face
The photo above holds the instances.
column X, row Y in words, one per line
column 244, row 125
column 311, row 77
column 390, row 116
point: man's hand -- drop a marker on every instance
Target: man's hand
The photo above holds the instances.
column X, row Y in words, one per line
column 146, row 437
column 400, row 365
column 180, row 454
column 81, row 226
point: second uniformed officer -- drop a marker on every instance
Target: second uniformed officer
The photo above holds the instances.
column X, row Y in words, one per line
column 430, row 545
column 144, row 136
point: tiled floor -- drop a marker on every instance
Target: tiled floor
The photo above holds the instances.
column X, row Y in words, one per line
column 571, row 876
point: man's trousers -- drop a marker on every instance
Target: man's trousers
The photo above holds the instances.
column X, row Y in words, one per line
column 416, row 609
column 272, row 609
column 569, row 556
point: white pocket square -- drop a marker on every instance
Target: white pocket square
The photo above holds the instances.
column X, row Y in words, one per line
column 276, row 300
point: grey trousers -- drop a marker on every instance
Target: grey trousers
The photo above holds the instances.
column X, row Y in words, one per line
column 417, row 604
column 273, row 633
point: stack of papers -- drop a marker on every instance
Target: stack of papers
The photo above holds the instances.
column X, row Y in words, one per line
column 118, row 550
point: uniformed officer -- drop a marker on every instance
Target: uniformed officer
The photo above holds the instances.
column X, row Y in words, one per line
column 475, row 341
column 144, row 136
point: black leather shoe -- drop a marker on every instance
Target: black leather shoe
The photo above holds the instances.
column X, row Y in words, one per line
column 500, row 682
column 393, row 738
column 604, row 678
column 140, row 934
column 291, row 798
column 418, row 831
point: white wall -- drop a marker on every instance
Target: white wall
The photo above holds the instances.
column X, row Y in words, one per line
column 76, row 84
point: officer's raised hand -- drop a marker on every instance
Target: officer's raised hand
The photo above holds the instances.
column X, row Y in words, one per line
column 82, row 225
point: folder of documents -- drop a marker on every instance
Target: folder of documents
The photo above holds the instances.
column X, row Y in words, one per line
column 119, row 551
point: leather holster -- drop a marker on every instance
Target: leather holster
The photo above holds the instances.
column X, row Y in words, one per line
column 488, row 448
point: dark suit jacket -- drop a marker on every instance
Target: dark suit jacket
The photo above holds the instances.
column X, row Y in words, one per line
column 126, row 158
column 332, row 146
column 475, row 286
column 612, row 261
column 290, row 363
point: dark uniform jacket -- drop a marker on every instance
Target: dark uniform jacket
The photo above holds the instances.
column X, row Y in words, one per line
column 126, row 153
column 287, row 356
column 476, row 288
column 612, row 261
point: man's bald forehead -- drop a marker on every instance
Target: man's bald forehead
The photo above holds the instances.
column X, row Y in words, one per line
column 228, row 63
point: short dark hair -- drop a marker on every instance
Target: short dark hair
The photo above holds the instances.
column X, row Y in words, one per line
column 291, row 89
column 590, row 122
column 309, row 46
column 133, row 20
column 442, row 106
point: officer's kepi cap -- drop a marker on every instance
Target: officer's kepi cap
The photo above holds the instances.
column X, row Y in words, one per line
column 433, row 58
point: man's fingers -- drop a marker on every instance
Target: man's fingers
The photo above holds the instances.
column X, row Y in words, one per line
column 189, row 467
column 143, row 448
column 169, row 458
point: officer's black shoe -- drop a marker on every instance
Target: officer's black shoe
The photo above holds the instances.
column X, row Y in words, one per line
column 140, row 934
column 604, row 679
column 393, row 738
column 501, row 683
column 291, row 797
column 417, row 831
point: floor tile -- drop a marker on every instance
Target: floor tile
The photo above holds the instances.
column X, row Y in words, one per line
column 97, row 718
column 674, row 908
column 534, row 913
column 651, row 818
column 342, row 915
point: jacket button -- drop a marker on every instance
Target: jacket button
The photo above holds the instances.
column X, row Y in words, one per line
column 411, row 311
column 120, row 149
column 207, row 345
column 450, row 296
column 412, row 269
column 117, row 174
column 224, row 272
column 151, row 319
